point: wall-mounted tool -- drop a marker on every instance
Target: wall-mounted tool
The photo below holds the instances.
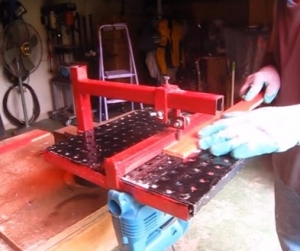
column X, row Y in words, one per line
column 55, row 18
column 11, row 10
column 62, row 13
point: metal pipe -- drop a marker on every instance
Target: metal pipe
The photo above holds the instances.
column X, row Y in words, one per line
column 159, row 9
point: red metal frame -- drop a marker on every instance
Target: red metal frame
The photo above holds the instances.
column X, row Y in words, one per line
column 117, row 166
column 163, row 98
column 122, row 163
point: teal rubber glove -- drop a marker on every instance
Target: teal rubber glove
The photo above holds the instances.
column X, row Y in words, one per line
column 248, row 134
column 268, row 78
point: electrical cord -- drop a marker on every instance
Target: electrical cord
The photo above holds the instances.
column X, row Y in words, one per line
column 36, row 106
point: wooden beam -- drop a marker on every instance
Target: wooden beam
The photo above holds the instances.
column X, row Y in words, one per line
column 40, row 208
column 93, row 233
column 188, row 144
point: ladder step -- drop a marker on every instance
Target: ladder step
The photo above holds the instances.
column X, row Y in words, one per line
column 115, row 101
column 114, row 74
column 110, row 27
column 118, row 74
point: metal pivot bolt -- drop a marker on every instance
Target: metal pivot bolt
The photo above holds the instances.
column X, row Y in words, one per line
column 166, row 78
column 181, row 122
column 158, row 114
column 178, row 124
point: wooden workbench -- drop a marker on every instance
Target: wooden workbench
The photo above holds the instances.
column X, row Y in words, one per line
column 42, row 208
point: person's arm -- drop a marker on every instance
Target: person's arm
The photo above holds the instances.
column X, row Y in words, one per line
column 269, row 57
column 267, row 78
column 246, row 134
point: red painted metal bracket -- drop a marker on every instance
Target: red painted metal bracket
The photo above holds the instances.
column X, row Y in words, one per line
column 162, row 98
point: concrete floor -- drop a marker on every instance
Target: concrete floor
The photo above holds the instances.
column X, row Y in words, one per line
column 239, row 218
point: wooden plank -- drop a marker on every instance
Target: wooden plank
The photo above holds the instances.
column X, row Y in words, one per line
column 20, row 140
column 4, row 246
column 68, row 129
column 37, row 201
column 188, row 144
column 93, row 233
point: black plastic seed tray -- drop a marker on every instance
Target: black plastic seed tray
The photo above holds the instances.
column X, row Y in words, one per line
column 193, row 181
column 92, row 147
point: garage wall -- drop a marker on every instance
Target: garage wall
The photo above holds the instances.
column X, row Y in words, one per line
column 38, row 79
column 231, row 11
column 103, row 11
column 260, row 11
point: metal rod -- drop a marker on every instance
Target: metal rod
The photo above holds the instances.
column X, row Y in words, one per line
column 85, row 35
column 232, row 84
column 23, row 102
column 159, row 9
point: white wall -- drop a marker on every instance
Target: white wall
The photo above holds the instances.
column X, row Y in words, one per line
column 101, row 10
column 39, row 80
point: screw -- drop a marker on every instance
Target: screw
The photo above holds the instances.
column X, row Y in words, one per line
column 177, row 124
column 158, row 114
column 153, row 114
column 167, row 78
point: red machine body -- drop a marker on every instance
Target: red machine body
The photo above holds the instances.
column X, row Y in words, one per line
column 168, row 101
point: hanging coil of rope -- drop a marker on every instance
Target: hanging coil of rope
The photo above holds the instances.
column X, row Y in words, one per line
column 35, row 111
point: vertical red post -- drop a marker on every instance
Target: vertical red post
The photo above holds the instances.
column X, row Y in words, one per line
column 82, row 101
column 161, row 103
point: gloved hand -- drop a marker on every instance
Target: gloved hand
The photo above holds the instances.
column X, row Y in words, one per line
column 266, row 77
column 248, row 134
